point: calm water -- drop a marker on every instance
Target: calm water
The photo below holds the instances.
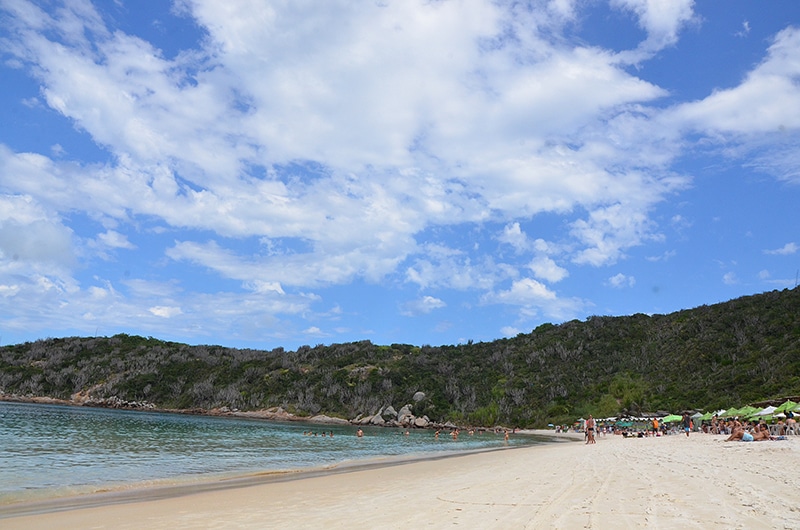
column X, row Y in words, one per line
column 50, row 450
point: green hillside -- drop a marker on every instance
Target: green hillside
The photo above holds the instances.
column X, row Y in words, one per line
column 717, row 356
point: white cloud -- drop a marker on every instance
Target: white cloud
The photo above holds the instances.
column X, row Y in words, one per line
column 314, row 331
column 609, row 231
column 509, row 331
column 786, row 250
column 730, row 278
column 620, row 281
column 300, row 146
column 661, row 20
column 534, row 299
column 545, row 268
column 745, row 31
column 187, row 144
column 165, row 312
column 513, row 235
column 422, row 305
column 30, row 235
column 526, row 291
column 113, row 239
column 766, row 102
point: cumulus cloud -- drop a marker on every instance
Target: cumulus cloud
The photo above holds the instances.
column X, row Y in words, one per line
column 661, row 20
column 526, row 291
column 298, row 146
column 620, row 280
column 546, row 269
column 785, row 250
column 422, row 305
column 766, row 102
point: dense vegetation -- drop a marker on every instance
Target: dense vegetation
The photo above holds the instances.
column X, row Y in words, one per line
column 717, row 356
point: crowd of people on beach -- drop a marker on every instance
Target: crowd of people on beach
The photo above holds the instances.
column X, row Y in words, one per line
column 749, row 431
column 734, row 428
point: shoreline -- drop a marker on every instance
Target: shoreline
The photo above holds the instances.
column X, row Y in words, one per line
column 662, row 482
column 170, row 489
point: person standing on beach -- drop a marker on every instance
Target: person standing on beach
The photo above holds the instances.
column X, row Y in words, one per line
column 590, row 425
column 687, row 423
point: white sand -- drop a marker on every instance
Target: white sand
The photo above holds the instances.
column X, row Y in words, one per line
column 669, row 482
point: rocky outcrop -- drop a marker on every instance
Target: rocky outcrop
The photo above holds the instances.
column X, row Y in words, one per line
column 115, row 402
column 404, row 415
column 322, row 418
column 387, row 416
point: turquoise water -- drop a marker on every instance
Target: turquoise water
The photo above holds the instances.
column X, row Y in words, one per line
column 49, row 451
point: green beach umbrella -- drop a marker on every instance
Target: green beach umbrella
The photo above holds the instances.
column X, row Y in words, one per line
column 671, row 418
column 786, row 406
column 748, row 411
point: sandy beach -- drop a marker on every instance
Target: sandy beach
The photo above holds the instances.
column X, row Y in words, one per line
column 665, row 482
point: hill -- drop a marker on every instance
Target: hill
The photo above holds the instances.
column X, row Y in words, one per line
column 718, row 356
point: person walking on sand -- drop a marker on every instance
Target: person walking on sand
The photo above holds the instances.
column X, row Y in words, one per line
column 687, row 423
column 590, row 426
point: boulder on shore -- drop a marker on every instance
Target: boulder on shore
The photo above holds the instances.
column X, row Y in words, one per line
column 322, row 418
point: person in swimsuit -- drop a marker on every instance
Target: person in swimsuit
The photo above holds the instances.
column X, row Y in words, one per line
column 590, row 426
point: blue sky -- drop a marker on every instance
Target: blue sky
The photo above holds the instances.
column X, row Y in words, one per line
column 263, row 174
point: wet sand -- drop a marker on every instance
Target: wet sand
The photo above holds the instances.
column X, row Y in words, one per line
column 666, row 482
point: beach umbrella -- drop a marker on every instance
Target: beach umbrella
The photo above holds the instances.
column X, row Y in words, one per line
column 671, row 418
column 748, row 410
column 764, row 412
column 785, row 406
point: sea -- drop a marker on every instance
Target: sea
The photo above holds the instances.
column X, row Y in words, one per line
column 55, row 451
